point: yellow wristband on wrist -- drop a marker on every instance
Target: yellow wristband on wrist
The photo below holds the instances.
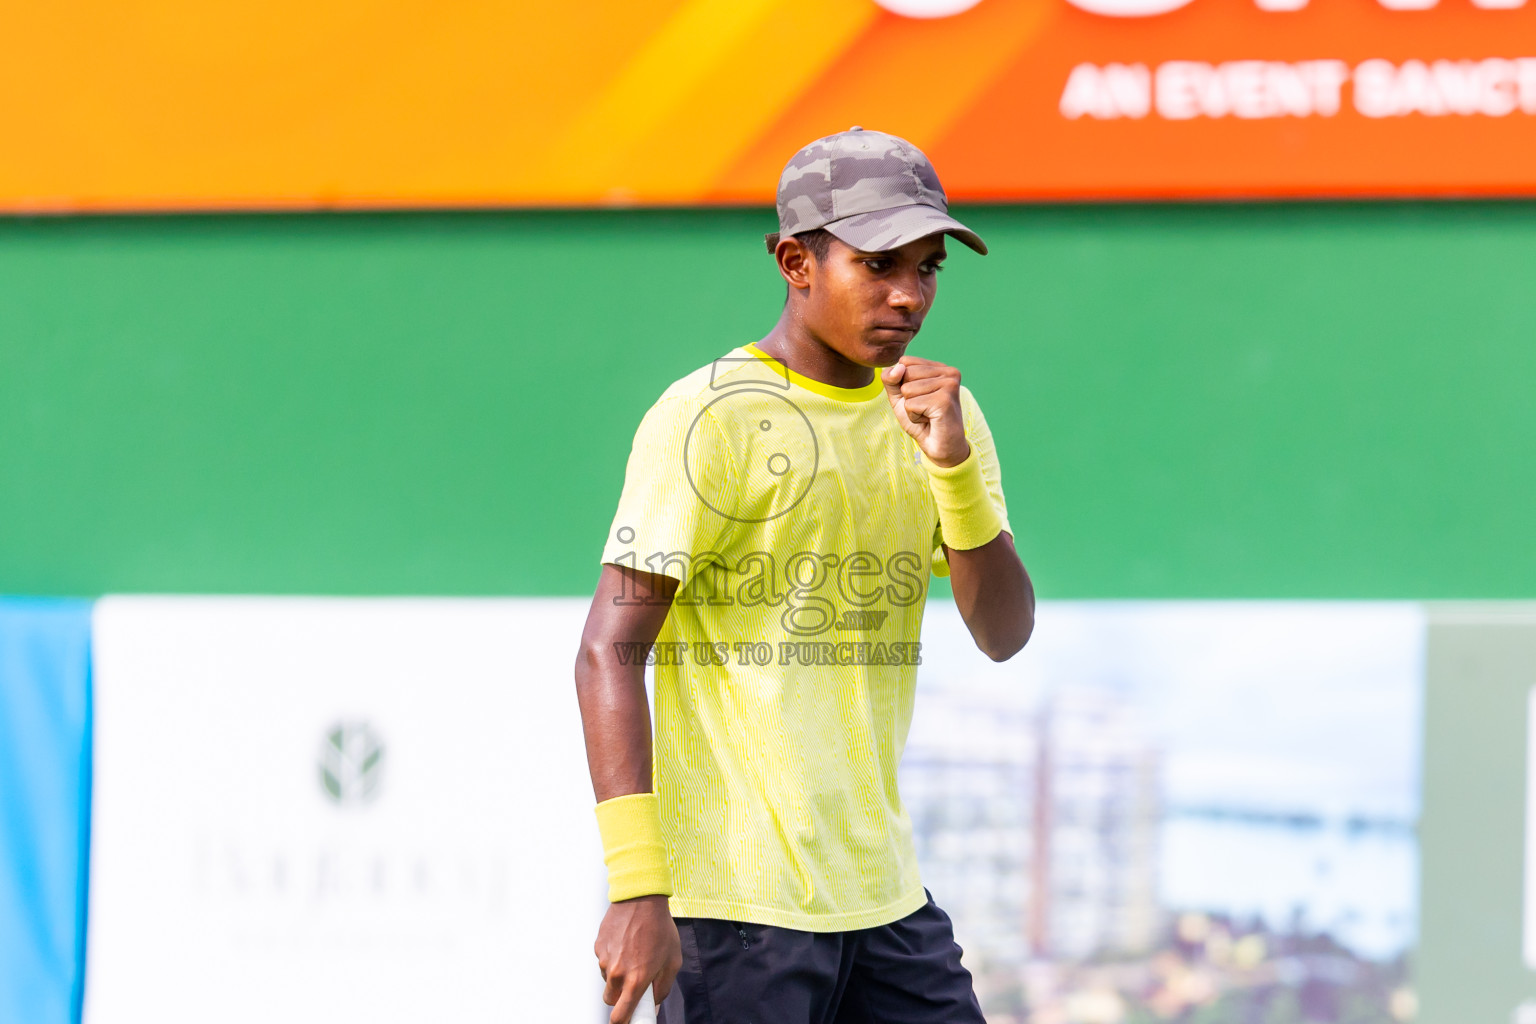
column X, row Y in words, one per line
column 632, row 847
column 967, row 517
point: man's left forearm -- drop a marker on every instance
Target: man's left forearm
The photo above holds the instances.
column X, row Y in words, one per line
column 995, row 596
column 991, row 587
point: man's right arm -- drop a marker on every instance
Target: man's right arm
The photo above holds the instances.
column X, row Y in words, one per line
column 637, row 944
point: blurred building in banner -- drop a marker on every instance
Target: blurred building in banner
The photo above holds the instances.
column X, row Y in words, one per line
column 1098, row 812
column 1115, row 832
column 1040, row 830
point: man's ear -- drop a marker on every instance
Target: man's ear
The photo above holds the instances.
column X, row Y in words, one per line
column 795, row 262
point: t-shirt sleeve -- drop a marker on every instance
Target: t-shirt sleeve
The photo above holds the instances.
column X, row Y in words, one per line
column 980, row 436
column 679, row 487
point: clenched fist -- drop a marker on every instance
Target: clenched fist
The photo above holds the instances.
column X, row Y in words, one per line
column 925, row 396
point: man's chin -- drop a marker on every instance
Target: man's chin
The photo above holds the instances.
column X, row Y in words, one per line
column 885, row 351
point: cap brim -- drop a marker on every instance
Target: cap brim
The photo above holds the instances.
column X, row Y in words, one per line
column 893, row 228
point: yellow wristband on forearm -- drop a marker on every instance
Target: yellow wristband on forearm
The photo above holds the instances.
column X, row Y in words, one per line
column 632, row 847
column 967, row 517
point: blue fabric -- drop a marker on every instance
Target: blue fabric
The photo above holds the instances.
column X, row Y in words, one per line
column 45, row 781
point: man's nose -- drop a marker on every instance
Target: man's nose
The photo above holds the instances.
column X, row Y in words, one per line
column 907, row 292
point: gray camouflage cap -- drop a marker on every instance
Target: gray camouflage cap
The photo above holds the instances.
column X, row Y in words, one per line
column 871, row 190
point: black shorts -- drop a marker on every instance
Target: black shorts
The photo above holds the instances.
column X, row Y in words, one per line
column 905, row 972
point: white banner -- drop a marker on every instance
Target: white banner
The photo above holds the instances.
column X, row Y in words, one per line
column 340, row 810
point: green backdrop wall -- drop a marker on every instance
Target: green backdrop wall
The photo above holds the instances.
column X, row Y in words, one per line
column 1189, row 401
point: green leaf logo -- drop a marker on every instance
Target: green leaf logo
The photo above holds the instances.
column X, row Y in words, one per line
column 351, row 763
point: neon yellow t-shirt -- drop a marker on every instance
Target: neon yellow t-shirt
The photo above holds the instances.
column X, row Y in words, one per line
column 798, row 520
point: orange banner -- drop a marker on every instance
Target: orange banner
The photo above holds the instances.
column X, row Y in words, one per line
column 176, row 104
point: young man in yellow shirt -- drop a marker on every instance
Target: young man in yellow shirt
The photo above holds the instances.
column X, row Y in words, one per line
column 782, row 510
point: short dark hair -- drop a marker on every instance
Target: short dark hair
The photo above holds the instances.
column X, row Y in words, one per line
column 817, row 240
